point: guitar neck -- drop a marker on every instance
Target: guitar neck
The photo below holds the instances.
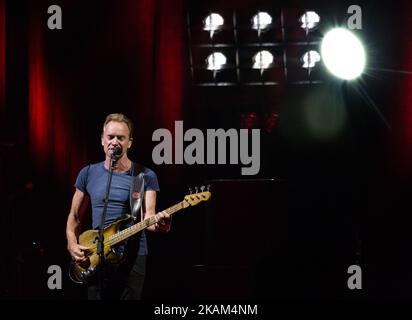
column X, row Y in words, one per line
column 136, row 228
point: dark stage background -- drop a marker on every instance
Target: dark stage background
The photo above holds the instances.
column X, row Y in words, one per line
column 326, row 197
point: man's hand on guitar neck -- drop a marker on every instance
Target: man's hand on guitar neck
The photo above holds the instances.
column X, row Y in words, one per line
column 77, row 251
column 164, row 222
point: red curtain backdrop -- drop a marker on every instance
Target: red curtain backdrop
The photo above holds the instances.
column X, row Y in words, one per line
column 50, row 125
column 146, row 36
column 401, row 114
column 168, row 74
column 158, row 28
column 2, row 57
column 39, row 100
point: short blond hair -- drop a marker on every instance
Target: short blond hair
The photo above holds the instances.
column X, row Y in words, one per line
column 119, row 117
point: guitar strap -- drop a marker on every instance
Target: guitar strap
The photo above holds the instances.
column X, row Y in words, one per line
column 137, row 191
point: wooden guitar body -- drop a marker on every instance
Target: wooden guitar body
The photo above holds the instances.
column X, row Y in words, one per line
column 85, row 271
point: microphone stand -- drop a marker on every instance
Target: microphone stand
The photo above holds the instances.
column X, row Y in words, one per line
column 100, row 242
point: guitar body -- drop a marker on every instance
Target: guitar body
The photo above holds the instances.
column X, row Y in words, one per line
column 84, row 272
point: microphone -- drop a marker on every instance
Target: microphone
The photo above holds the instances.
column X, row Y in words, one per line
column 116, row 152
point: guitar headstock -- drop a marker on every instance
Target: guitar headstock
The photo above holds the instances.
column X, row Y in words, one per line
column 193, row 199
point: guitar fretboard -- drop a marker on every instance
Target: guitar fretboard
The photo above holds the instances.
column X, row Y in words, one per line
column 126, row 233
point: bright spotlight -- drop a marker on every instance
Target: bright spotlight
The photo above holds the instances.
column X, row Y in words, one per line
column 310, row 59
column 309, row 20
column 262, row 60
column 261, row 21
column 343, row 54
column 216, row 61
column 212, row 23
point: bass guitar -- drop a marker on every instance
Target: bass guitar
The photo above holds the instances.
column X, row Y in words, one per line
column 83, row 272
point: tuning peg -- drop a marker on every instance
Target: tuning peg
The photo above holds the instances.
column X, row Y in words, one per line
column 202, row 188
column 196, row 189
column 190, row 190
column 208, row 187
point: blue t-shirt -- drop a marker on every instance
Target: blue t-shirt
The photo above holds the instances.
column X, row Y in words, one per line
column 92, row 180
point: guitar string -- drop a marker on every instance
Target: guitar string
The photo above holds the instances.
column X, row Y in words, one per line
column 141, row 225
column 147, row 222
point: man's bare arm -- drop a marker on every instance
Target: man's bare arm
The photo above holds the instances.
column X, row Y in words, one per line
column 73, row 227
column 163, row 224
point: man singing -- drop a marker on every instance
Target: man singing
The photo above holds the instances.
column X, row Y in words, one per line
column 124, row 281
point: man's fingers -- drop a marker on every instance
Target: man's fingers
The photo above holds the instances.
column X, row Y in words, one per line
column 164, row 215
column 79, row 257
